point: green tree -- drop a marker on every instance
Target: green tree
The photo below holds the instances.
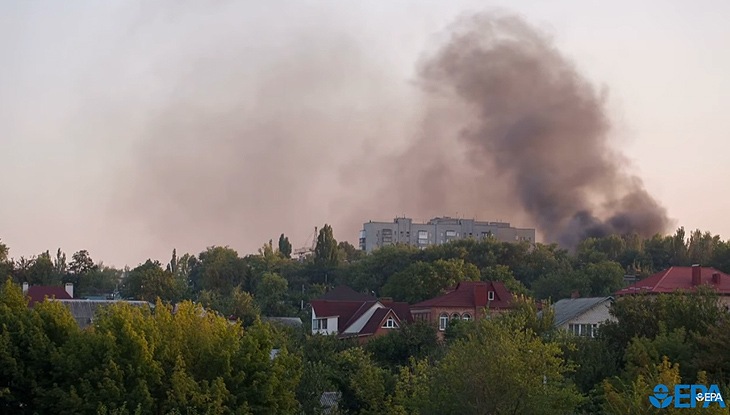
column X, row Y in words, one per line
column 218, row 269
column 270, row 295
column 148, row 282
column 325, row 252
column 503, row 273
column 81, row 263
column 42, row 272
column 348, row 252
column 421, row 281
column 418, row 340
column 285, row 246
column 517, row 373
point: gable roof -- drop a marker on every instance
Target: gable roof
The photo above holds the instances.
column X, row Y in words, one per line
column 570, row 308
column 402, row 310
column 345, row 293
column 343, row 310
column 377, row 319
column 37, row 293
column 677, row 278
column 465, row 295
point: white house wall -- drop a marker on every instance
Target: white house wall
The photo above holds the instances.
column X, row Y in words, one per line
column 360, row 322
column 331, row 324
column 596, row 315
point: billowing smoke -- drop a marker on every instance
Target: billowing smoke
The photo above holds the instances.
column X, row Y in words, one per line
column 535, row 123
column 498, row 125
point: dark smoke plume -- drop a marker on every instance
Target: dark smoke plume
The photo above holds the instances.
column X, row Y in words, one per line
column 505, row 128
column 535, row 123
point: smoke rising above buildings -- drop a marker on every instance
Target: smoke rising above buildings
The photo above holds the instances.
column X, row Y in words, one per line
column 498, row 124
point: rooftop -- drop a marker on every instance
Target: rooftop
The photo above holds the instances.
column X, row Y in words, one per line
column 680, row 278
column 570, row 308
column 37, row 293
column 471, row 294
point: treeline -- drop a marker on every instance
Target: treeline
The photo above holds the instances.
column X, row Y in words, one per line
column 156, row 361
column 271, row 283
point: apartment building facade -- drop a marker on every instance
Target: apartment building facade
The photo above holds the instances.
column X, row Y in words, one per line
column 437, row 231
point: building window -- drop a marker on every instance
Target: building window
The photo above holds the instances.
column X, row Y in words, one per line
column 584, row 330
column 443, row 321
column 491, row 296
column 422, row 237
column 466, row 317
column 390, row 323
column 450, row 234
column 319, row 324
column 455, row 316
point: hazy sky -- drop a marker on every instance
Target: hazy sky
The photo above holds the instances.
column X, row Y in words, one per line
column 82, row 84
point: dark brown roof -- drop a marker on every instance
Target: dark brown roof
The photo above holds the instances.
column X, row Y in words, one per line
column 344, row 310
column 37, row 293
column 402, row 310
column 465, row 294
column 377, row 320
column 345, row 293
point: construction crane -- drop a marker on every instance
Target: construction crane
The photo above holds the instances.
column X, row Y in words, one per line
column 303, row 253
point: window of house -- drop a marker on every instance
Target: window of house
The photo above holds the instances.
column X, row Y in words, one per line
column 450, row 234
column 443, row 321
column 455, row 316
column 491, row 295
column 390, row 323
column 319, row 324
column 466, row 317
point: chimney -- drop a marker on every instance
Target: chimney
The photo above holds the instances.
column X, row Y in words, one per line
column 70, row 289
column 716, row 278
column 25, row 288
column 480, row 294
column 696, row 274
column 575, row 294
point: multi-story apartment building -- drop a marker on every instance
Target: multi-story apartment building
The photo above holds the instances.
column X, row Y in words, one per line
column 437, row 231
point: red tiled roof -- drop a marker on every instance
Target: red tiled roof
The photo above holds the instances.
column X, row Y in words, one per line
column 677, row 278
column 37, row 293
column 463, row 295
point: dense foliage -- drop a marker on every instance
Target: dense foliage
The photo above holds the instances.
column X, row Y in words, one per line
column 203, row 349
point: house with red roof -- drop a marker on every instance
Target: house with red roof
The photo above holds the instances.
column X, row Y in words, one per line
column 349, row 314
column 469, row 300
column 681, row 279
column 38, row 293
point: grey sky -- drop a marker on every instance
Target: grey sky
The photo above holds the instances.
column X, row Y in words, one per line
column 79, row 80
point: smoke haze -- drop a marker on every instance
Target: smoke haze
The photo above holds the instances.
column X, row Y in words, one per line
column 497, row 124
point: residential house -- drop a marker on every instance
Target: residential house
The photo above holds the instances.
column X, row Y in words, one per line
column 681, row 279
column 83, row 310
column 582, row 316
column 349, row 314
column 469, row 300
column 38, row 293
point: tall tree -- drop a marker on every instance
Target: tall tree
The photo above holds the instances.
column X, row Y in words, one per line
column 42, row 272
column 284, row 246
column 325, row 252
column 81, row 263
column 60, row 264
